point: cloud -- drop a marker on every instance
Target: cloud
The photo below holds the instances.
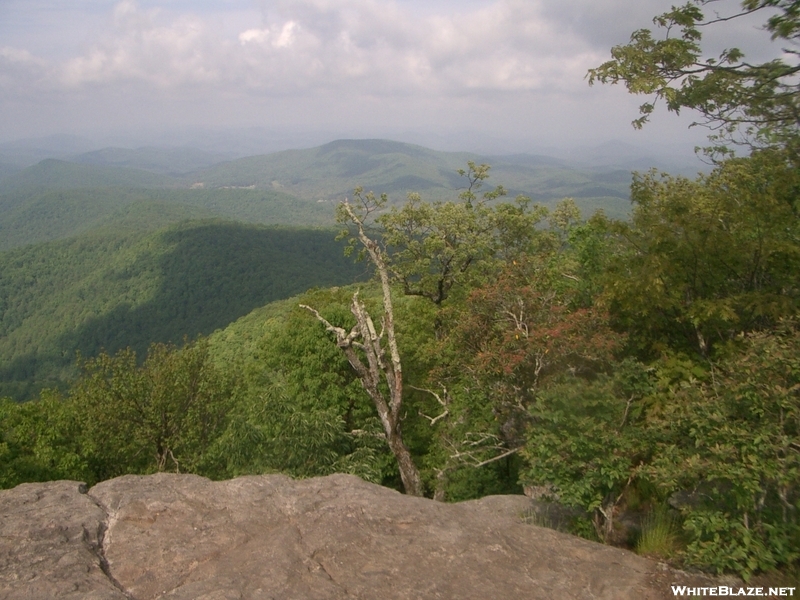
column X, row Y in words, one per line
column 21, row 72
column 139, row 48
column 505, row 67
column 283, row 39
column 371, row 46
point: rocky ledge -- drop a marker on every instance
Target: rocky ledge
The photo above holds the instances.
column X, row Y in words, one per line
column 186, row 537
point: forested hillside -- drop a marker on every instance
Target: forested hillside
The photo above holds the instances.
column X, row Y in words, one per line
column 328, row 172
column 116, row 288
column 33, row 216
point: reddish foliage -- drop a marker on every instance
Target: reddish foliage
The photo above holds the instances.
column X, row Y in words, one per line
column 523, row 328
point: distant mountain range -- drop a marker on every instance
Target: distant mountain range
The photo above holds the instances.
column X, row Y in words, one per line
column 56, row 198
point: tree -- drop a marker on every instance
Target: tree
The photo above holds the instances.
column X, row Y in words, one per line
column 301, row 409
column 741, row 102
column 363, row 340
column 588, row 441
column 730, row 439
column 701, row 261
column 40, row 441
column 161, row 415
column 527, row 321
column 432, row 249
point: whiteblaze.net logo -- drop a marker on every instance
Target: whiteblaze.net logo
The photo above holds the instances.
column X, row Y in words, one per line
column 724, row 590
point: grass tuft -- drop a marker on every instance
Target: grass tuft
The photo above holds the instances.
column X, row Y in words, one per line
column 660, row 534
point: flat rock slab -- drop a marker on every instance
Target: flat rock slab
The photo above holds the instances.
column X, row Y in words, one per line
column 336, row 537
column 50, row 544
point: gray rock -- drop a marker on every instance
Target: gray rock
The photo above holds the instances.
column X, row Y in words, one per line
column 185, row 537
column 51, row 536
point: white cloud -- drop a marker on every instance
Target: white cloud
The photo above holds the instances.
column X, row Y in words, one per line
column 258, row 36
column 378, row 47
column 513, row 66
column 283, row 39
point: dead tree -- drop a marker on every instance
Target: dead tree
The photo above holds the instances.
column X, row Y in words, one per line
column 365, row 349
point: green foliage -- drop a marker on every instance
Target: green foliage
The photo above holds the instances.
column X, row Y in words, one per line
column 532, row 322
column 120, row 417
column 586, row 441
column 162, row 415
column 704, row 260
column 433, row 247
column 303, row 411
column 40, row 441
column 724, row 439
column 734, row 97
column 733, row 437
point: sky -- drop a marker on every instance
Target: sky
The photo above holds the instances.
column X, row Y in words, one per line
column 474, row 75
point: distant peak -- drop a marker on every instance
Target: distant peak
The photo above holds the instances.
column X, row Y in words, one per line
column 371, row 146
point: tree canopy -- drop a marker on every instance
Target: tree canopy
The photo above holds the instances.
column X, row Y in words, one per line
column 741, row 102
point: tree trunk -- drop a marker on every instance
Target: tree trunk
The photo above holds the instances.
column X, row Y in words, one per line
column 365, row 338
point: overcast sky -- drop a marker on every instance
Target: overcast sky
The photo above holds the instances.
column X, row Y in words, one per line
column 473, row 73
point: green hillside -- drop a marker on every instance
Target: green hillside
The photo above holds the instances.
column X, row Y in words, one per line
column 55, row 214
column 59, row 174
column 33, row 216
column 331, row 172
column 55, row 199
column 167, row 161
column 115, row 288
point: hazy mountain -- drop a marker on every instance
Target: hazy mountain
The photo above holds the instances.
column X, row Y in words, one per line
column 330, row 172
column 57, row 198
column 59, row 174
column 164, row 160
column 29, row 151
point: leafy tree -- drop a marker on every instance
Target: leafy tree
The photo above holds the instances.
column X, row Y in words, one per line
column 739, row 101
column 588, row 440
column 433, row 247
column 430, row 250
column 40, row 441
column 161, row 415
column 528, row 322
column 731, row 438
column 303, row 411
column 701, row 261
